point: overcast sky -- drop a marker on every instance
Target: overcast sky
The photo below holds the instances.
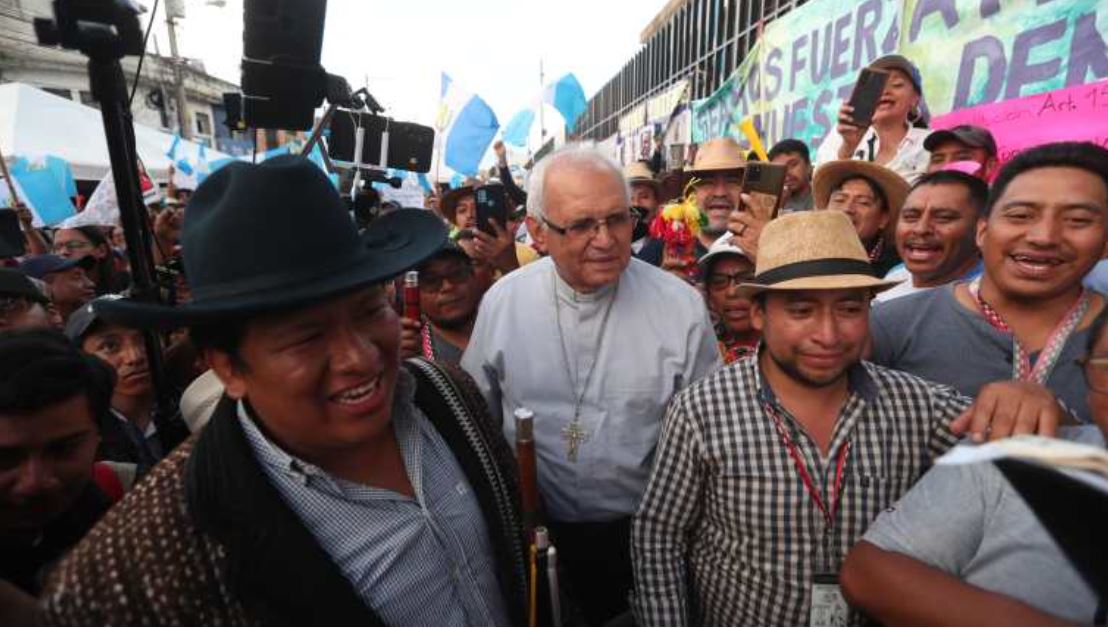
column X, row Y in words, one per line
column 490, row 47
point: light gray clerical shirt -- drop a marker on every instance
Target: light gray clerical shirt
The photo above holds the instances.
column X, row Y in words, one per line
column 619, row 354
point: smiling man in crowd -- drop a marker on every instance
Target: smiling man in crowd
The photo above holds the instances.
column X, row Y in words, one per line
column 383, row 496
column 769, row 470
column 1027, row 317
column 936, row 233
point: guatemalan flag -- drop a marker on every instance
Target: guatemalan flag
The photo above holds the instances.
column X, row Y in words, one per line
column 468, row 126
column 567, row 96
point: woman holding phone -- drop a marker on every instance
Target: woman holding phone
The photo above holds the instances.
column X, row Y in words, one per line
column 893, row 136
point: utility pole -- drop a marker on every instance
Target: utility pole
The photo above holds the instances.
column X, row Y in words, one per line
column 175, row 9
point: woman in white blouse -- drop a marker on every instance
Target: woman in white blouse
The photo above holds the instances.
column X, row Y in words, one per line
column 895, row 138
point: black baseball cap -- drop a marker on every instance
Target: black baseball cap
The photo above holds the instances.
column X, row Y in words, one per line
column 968, row 134
column 81, row 321
column 38, row 266
column 14, row 283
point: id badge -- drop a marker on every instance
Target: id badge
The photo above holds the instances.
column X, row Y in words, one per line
column 829, row 608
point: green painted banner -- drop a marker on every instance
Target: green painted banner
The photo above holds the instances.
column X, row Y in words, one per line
column 970, row 52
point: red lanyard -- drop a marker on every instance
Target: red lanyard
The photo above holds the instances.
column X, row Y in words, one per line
column 828, row 510
column 1048, row 357
column 425, row 341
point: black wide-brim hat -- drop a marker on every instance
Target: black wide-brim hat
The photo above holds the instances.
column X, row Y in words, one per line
column 276, row 235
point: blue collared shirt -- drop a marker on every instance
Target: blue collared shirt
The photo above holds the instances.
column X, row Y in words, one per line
column 416, row 561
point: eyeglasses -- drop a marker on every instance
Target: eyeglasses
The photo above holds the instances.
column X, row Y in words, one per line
column 72, row 245
column 587, row 228
column 433, row 283
column 1096, row 372
column 722, row 281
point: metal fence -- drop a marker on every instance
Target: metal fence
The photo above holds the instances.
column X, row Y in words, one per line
column 702, row 41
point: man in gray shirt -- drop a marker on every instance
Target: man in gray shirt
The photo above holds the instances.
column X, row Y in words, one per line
column 963, row 548
column 1026, row 317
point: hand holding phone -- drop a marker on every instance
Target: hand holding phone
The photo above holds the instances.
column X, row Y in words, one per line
column 764, row 183
column 867, row 93
column 492, row 202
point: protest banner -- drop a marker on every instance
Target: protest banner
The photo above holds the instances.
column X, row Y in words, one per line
column 1072, row 113
column 970, row 53
column 792, row 80
column 975, row 52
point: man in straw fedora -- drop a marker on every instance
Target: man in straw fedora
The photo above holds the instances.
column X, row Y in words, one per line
column 717, row 178
column 871, row 195
column 769, row 470
column 332, row 485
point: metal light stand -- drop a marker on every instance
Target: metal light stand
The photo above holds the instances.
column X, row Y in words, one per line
column 104, row 44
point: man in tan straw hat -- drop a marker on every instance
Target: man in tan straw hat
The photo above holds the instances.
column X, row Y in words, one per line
column 717, row 175
column 769, row 470
column 871, row 195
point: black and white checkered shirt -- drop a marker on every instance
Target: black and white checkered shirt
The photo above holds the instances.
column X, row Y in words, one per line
column 727, row 534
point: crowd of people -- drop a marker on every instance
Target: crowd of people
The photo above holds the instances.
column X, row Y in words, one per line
column 746, row 435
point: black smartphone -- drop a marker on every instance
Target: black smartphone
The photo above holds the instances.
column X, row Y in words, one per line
column 11, row 235
column 867, row 92
column 492, row 202
column 764, row 182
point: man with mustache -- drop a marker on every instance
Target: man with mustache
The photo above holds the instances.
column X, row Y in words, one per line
column 768, row 470
column 332, row 485
column 1027, row 316
column 451, row 286
column 717, row 174
column 936, row 231
column 794, row 155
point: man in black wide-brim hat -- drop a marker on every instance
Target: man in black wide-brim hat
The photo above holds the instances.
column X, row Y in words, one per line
column 333, row 485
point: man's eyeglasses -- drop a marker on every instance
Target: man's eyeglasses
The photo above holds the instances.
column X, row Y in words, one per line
column 72, row 245
column 1096, row 372
column 433, row 283
column 587, row 228
column 722, row 281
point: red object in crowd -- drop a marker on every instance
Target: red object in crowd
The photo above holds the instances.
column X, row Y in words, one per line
column 411, row 296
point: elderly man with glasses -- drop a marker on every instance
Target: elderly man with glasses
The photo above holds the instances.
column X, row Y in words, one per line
column 595, row 344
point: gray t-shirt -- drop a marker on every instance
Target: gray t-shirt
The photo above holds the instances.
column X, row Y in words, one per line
column 932, row 336
column 968, row 521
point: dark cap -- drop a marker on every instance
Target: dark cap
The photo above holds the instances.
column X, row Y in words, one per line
column 81, row 320
column 38, row 266
column 972, row 136
column 450, row 249
column 14, row 283
column 899, row 62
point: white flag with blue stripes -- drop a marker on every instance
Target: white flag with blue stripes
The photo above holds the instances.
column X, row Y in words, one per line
column 468, row 125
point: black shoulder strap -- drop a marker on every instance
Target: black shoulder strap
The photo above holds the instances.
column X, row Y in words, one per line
column 275, row 566
column 450, row 400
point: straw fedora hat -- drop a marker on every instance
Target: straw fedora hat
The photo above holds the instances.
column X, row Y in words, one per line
column 812, row 251
column 718, row 155
column 639, row 173
column 830, row 174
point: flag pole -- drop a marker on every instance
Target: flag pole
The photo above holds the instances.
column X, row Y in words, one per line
column 542, row 95
column 8, row 180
